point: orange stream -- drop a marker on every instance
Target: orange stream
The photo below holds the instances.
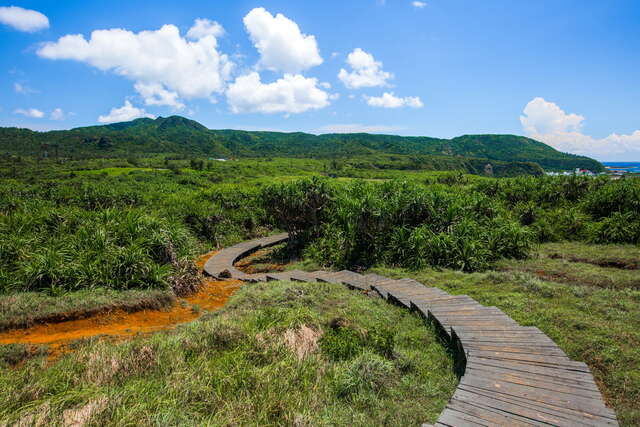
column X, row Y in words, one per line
column 119, row 324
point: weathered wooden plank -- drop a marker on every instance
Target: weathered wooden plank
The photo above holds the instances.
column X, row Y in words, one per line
column 541, row 413
column 452, row 418
column 301, row 276
column 572, row 382
column 516, row 378
column 561, row 400
column 515, row 348
column 527, row 358
column 550, row 371
column 491, row 416
column 576, row 416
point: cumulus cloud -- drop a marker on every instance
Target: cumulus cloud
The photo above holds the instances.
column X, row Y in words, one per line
column 282, row 46
column 164, row 65
column 545, row 121
column 366, row 71
column 23, row 89
column 23, row 19
column 389, row 100
column 30, row 112
column 58, row 114
column 203, row 28
column 357, row 128
column 543, row 117
column 155, row 94
column 124, row 114
column 418, row 4
column 292, row 93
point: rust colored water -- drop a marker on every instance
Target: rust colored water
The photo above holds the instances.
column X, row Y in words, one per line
column 120, row 325
column 250, row 265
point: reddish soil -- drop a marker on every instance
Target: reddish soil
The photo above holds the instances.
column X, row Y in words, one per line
column 119, row 325
column 252, row 265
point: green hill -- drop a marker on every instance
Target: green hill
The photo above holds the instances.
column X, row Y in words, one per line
column 181, row 136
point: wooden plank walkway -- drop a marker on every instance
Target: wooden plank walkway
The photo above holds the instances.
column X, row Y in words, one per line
column 511, row 374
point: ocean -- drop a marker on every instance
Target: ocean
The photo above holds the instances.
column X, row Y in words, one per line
column 633, row 167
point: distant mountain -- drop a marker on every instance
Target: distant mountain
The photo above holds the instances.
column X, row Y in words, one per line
column 181, row 136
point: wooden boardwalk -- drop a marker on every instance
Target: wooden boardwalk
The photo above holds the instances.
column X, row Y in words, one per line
column 510, row 374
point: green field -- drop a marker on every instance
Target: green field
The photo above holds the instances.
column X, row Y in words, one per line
column 83, row 237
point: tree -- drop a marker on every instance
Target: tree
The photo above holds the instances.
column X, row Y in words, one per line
column 298, row 207
column 104, row 142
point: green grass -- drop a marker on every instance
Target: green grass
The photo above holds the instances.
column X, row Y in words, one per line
column 578, row 273
column 23, row 309
column 621, row 256
column 114, row 171
column 596, row 325
column 591, row 312
column 234, row 367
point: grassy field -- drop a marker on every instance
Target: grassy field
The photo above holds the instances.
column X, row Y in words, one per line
column 83, row 237
column 278, row 354
column 591, row 312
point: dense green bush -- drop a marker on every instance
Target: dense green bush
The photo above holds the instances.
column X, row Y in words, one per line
column 118, row 232
column 69, row 248
column 92, row 224
column 572, row 208
column 400, row 223
column 298, row 207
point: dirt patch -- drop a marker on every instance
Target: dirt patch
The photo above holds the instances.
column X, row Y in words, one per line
column 571, row 278
column 79, row 417
column 302, row 341
column 623, row 264
column 39, row 417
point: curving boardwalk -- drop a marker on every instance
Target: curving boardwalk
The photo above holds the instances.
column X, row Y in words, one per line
column 511, row 374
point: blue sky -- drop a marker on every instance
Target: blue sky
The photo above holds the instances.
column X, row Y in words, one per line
column 564, row 72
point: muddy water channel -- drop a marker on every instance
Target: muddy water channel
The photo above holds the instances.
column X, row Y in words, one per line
column 118, row 325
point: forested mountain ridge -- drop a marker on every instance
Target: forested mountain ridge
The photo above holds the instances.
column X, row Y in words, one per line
column 178, row 135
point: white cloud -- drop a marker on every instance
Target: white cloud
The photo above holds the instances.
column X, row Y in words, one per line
column 163, row 64
column 124, row 114
column 23, row 89
column 23, row 19
column 156, row 94
column 58, row 114
column 389, row 100
column 546, row 117
column 367, row 72
column 203, row 28
column 30, row 112
column 547, row 122
column 418, row 4
column 357, row 128
column 281, row 45
column 292, row 93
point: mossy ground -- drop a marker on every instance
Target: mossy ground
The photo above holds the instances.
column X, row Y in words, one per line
column 242, row 365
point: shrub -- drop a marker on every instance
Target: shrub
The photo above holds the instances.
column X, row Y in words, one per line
column 618, row 228
column 622, row 196
column 367, row 373
column 297, row 207
column 399, row 223
column 341, row 343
